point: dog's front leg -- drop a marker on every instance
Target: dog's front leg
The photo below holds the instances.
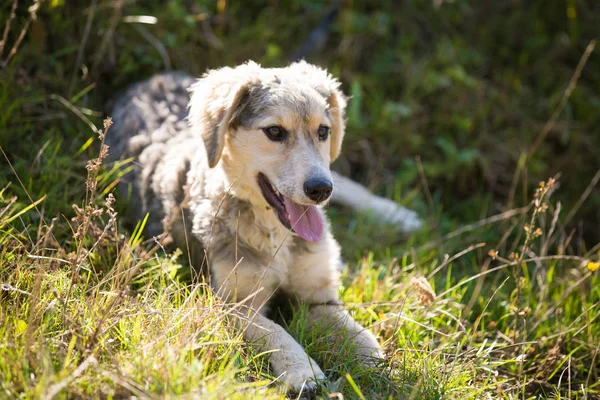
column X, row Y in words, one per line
column 335, row 315
column 315, row 280
column 254, row 286
column 288, row 359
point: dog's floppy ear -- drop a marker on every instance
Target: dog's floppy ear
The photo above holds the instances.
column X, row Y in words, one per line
column 215, row 100
column 337, row 111
column 329, row 87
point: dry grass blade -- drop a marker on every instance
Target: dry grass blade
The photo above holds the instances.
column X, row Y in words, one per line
column 153, row 40
column 84, row 40
column 448, row 260
column 563, row 101
column 583, row 197
column 23, row 211
column 470, row 227
column 32, row 16
column 58, row 387
column 9, row 21
column 75, row 111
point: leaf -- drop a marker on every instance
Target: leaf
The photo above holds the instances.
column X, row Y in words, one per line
column 21, row 326
column 23, row 211
column 354, row 117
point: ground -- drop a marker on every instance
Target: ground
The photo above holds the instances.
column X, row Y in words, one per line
column 482, row 117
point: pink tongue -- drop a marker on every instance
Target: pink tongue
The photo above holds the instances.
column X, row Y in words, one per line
column 306, row 220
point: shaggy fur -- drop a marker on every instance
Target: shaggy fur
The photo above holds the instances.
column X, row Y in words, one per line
column 199, row 182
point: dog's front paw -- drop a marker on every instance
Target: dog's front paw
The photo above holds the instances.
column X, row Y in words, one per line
column 303, row 379
column 370, row 352
column 371, row 357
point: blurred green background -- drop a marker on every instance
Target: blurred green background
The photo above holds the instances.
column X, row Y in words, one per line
column 467, row 86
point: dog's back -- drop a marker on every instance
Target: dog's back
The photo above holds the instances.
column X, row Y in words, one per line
column 149, row 121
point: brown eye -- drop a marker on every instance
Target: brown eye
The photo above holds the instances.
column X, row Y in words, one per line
column 275, row 133
column 323, row 132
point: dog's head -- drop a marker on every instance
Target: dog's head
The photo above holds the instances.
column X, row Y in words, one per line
column 275, row 132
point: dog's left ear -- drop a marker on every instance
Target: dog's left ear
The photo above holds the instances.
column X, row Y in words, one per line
column 215, row 101
column 337, row 111
column 329, row 87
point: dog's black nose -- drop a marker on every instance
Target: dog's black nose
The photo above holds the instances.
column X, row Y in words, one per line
column 318, row 189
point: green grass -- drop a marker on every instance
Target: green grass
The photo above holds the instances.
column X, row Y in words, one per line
column 91, row 309
column 107, row 315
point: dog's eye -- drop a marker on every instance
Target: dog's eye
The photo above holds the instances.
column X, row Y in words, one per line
column 323, row 132
column 275, row 133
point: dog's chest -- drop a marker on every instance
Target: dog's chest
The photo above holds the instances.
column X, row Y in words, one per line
column 263, row 232
column 271, row 244
column 253, row 233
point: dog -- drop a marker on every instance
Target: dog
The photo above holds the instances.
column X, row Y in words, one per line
column 236, row 167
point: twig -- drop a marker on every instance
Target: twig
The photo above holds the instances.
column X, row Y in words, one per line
column 48, row 258
column 156, row 43
column 86, row 34
column 583, row 197
column 32, row 16
column 11, row 17
column 566, row 95
column 10, row 288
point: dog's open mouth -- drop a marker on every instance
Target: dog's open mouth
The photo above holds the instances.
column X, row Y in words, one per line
column 306, row 221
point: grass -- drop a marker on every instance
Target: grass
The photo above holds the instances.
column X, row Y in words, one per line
column 498, row 296
column 108, row 315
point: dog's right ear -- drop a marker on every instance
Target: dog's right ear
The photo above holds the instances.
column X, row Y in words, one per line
column 215, row 98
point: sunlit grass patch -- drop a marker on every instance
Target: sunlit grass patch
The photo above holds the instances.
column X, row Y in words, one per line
column 108, row 314
column 98, row 337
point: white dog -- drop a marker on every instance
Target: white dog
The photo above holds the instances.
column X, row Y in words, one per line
column 242, row 183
